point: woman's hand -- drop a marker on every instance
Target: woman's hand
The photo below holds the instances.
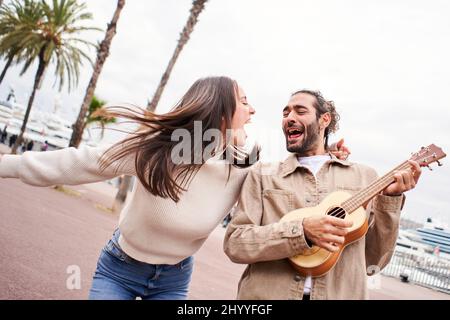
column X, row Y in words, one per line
column 339, row 150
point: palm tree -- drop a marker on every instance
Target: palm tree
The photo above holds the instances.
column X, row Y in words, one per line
column 102, row 54
column 30, row 13
column 54, row 38
column 97, row 114
column 9, row 60
column 196, row 9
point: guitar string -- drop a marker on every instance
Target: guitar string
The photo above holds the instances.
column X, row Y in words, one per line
column 361, row 195
column 339, row 212
column 354, row 202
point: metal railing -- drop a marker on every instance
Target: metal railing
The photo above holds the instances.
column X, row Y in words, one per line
column 425, row 270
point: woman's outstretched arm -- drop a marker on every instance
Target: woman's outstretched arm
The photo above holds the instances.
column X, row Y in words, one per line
column 66, row 166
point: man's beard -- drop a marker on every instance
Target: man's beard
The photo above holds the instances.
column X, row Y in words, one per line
column 310, row 140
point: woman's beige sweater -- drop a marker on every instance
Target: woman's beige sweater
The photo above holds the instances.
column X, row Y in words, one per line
column 153, row 229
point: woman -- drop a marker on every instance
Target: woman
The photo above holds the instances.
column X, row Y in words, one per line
column 173, row 206
column 184, row 188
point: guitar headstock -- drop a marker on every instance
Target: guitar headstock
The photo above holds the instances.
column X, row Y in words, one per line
column 428, row 155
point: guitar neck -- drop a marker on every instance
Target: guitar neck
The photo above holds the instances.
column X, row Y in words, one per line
column 372, row 190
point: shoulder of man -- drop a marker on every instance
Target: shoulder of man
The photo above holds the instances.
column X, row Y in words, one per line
column 267, row 168
column 363, row 170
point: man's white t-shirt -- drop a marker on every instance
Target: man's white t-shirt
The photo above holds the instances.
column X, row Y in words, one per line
column 314, row 163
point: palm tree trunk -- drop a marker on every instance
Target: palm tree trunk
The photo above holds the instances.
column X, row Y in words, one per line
column 197, row 7
column 102, row 54
column 121, row 196
column 37, row 82
column 8, row 64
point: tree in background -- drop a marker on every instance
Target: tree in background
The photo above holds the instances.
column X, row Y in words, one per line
column 52, row 39
column 97, row 114
column 102, row 54
column 196, row 9
column 13, row 51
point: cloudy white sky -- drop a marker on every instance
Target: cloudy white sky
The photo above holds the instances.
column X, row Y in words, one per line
column 384, row 63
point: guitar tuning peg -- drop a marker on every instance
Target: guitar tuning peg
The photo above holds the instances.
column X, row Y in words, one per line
column 428, row 166
column 439, row 164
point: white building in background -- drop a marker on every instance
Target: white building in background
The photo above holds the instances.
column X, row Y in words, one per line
column 41, row 126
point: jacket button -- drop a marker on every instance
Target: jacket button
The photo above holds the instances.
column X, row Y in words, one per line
column 297, row 278
column 294, row 230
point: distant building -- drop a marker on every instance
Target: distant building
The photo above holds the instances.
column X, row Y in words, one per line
column 409, row 224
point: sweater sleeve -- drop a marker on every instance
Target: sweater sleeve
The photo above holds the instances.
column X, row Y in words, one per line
column 69, row 166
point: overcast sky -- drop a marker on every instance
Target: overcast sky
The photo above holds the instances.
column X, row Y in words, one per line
column 384, row 63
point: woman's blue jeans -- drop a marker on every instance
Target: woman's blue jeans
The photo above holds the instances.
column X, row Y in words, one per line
column 120, row 277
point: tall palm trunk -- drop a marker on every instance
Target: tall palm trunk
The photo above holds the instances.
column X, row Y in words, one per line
column 8, row 64
column 197, row 7
column 37, row 82
column 121, row 196
column 102, row 54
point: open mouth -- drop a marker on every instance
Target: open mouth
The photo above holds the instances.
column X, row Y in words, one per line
column 294, row 133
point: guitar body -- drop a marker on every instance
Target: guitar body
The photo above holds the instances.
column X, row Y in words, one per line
column 317, row 261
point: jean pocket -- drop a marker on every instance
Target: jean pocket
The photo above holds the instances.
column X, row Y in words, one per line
column 114, row 250
column 187, row 263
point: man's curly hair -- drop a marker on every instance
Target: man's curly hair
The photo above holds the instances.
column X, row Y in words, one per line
column 323, row 106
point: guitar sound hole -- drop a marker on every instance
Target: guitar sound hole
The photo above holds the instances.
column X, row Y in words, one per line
column 337, row 212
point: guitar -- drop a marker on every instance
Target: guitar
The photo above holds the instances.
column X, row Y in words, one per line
column 317, row 261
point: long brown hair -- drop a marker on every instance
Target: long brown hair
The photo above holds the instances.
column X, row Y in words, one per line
column 210, row 100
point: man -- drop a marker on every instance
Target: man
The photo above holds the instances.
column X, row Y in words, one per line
column 256, row 237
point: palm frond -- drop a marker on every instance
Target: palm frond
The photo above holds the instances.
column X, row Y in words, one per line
column 29, row 26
